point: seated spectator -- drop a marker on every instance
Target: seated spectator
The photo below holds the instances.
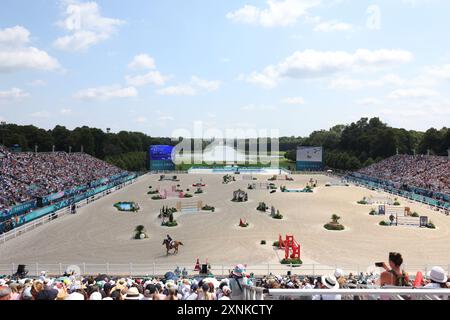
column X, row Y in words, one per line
column 5, row 293
column 438, row 279
column 394, row 275
column 226, row 293
column 328, row 282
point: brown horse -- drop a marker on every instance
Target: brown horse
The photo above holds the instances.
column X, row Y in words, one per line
column 174, row 245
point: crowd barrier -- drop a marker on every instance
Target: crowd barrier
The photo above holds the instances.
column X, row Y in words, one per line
column 392, row 293
column 217, row 269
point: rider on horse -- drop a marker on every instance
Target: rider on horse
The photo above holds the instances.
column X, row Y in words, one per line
column 169, row 238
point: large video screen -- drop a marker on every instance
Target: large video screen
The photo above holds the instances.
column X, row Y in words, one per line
column 161, row 152
column 309, row 154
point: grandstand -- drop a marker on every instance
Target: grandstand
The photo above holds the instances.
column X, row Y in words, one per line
column 31, row 180
column 421, row 171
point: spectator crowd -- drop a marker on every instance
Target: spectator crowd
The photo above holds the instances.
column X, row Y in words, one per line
column 26, row 175
column 420, row 171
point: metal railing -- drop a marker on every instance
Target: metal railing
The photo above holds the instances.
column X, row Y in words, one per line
column 159, row 269
column 397, row 293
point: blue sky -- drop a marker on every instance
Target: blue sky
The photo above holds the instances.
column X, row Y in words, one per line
column 291, row 65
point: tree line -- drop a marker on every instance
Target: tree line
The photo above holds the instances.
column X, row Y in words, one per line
column 346, row 147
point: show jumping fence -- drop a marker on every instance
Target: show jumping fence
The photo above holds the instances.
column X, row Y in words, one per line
column 408, row 221
column 189, row 206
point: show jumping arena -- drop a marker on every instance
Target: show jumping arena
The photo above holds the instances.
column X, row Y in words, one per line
column 97, row 235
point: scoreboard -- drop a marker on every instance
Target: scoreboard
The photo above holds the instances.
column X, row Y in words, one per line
column 161, row 158
column 309, row 158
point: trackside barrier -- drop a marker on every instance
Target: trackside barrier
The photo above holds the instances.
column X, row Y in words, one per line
column 350, row 294
column 218, row 270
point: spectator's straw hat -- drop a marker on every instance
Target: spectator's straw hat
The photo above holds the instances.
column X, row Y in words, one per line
column 438, row 275
column 133, row 294
column 330, row 282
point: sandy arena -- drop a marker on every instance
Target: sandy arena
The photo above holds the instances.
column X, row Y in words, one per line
column 99, row 233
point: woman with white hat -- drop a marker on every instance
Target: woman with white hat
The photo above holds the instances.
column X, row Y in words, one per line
column 438, row 278
column 331, row 283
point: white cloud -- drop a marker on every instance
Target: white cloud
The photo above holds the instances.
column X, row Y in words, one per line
column 277, row 13
column 85, row 25
column 142, row 61
column 438, row 72
column 194, row 87
column 348, row 83
column 106, row 93
column 166, row 118
column 179, row 90
column 253, row 107
column 13, row 94
column 15, row 36
column 38, row 83
column 209, row 85
column 41, row 114
column 141, row 119
column 313, row 64
column 294, row 100
column 330, row 26
column 415, row 3
column 267, row 79
column 368, row 101
column 16, row 54
column 152, row 77
column 66, row 111
column 412, row 93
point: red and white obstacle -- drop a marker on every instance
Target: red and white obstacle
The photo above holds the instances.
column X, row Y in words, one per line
column 289, row 245
column 171, row 193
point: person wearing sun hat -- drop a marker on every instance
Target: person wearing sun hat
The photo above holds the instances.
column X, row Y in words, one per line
column 339, row 275
column 328, row 282
column 236, row 281
column 438, row 278
column 133, row 294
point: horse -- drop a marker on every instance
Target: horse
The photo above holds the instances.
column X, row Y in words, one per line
column 174, row 245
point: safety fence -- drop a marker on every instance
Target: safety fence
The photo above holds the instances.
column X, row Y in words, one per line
column 392, row 293
column 218, row 270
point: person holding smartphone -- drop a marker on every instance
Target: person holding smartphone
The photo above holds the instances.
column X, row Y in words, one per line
column 393, row 275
